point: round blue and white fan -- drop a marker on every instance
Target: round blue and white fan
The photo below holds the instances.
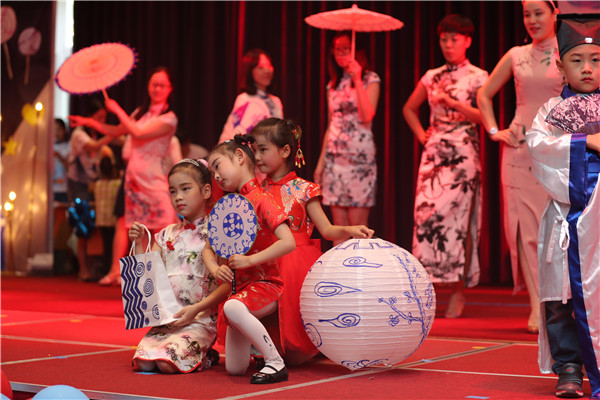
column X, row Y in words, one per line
column 232, row 226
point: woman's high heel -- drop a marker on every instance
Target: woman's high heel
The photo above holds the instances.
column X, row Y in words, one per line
column 109, row 280
column 455, row 305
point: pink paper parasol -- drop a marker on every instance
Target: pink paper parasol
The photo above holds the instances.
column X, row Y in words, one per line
column 9, row 25
column 96, row 68
column 354, row 19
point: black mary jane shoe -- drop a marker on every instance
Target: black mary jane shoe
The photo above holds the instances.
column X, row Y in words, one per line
column 259, row 362
column 278, row 376
column 213, row 356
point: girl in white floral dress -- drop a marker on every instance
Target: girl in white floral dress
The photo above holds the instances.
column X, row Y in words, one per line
column 185, row 344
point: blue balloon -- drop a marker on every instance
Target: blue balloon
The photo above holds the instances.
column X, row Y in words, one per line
column 82, row 217
column 60, row 392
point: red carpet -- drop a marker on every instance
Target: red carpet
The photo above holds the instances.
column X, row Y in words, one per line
column 57, row 330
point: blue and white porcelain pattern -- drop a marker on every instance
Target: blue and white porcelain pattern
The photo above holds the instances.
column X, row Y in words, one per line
column 367, row 302
column 232, row 225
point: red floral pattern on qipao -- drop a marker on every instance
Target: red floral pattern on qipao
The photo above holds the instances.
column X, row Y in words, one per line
column 261, row 284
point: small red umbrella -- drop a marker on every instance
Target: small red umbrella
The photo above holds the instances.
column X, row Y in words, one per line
column 96, row 68
column 354, row 19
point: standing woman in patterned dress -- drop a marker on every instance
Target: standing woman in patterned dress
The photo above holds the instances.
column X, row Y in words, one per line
column 150, row 128
column 447, row 213
column 254, row 103
column 537, row 79
column 347, row 170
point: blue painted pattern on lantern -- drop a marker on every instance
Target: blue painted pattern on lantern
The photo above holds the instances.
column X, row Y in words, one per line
column 313, row 334
column 367, row 288
column 362, row 244
column 344, row 320
column 328, row 289
column 356, row 262
column 412, row 296
column 317, row 263
column 363, row 363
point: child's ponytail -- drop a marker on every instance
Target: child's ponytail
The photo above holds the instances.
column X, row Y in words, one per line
column 244, row 142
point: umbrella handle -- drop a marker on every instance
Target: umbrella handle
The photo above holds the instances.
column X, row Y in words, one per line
column 353, row 44
column 105, row 95
column 8, row 67
column 27, row 61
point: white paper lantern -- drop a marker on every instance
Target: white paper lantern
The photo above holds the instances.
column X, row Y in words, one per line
column 367, row 302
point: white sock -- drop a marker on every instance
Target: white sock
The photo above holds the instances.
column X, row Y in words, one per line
column 249, row 325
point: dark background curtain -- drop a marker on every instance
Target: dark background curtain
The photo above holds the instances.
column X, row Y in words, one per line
column 202, row 43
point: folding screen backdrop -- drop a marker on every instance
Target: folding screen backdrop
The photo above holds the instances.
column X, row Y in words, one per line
column 202, row 42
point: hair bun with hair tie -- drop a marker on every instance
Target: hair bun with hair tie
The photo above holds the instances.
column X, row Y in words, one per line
column 244, row 140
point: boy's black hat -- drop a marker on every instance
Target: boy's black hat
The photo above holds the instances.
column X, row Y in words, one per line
column 576, row 29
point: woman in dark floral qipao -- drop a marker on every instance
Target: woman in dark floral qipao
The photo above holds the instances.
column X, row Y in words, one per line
column 447, row 202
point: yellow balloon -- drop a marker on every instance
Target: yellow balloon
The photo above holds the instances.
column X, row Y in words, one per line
column 31, row 115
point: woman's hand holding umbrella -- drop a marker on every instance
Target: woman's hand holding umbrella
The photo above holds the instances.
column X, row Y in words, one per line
column 355, row 70
column 112, row 106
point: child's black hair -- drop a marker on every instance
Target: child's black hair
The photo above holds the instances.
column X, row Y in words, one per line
column 244, row 142
column 196, row 169
column 281, row 133
column 456, row 23
column 107, row 168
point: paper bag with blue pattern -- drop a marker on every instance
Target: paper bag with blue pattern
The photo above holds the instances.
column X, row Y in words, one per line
column 148, row 298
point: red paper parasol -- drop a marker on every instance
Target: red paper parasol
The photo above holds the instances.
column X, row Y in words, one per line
column 354, row 19
column 96, row 68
